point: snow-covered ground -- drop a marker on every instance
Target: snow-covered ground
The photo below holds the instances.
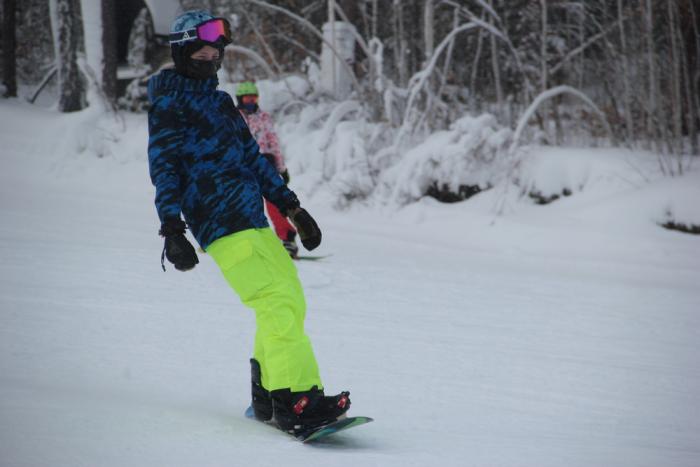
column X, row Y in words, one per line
column 557, row 335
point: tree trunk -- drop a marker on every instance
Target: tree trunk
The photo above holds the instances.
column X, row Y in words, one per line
column 652, row 128
column 375, row 15
column 496, row 70
column 402, row 44
column 109, row 50
column 429, row 29
column 693, row 103
column 694, row 78
column 9, row 43
column 543, row 51
column 675, row 80
column 68, row 27
column 629, row 123
column 543, row 64
column 475, row 66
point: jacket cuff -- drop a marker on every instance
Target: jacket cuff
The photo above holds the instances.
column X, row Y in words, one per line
column 172, row 226
column 289, row 203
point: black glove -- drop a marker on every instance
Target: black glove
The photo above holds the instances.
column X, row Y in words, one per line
column 177, row 248
column 285, row 176
column 307, row 228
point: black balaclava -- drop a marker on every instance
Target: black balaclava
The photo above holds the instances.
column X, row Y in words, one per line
column 196, row 69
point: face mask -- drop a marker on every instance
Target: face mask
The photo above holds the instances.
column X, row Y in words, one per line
column 250, row 108
column 202, row 69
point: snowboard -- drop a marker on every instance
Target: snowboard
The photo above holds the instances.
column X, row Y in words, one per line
column 310, row 258
column 322, row 431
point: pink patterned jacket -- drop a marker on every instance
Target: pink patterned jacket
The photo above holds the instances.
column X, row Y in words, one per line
column 263, row 130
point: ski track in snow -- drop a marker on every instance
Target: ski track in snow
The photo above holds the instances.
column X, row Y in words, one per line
column 540, row 339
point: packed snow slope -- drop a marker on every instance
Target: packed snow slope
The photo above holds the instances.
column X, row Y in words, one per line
column 557, row 335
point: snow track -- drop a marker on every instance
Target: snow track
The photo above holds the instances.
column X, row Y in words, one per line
column 549, row 337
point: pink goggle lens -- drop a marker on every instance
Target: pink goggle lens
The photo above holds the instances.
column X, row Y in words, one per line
column 212, row 30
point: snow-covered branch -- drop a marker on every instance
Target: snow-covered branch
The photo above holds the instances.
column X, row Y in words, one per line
column 315, row 31
column 253, row 55
column 419, row 79
column 548, row 94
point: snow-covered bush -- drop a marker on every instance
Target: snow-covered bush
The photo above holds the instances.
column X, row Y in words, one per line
column 681, row 211
column 544, row 177
column 337, row 148
column 135, row 98
column 467, row 158
column 329, row 146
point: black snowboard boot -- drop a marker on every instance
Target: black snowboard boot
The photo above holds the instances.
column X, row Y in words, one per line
column 297, row 412
column 262, row 402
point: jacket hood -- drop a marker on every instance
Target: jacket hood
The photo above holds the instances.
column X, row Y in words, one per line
column 170, row 81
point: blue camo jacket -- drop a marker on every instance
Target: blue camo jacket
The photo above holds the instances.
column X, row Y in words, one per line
column 204, row 162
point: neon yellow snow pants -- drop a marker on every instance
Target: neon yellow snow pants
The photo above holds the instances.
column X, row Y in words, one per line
column 258, row 267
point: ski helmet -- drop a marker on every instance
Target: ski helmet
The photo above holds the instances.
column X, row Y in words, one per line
column 246, row 88
column 190, row 32
column 247, row 96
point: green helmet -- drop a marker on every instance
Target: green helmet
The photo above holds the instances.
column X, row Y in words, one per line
column 246, row 88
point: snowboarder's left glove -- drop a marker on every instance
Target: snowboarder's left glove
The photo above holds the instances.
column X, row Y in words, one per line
column 177, row 248
column 285, row 176
column 307, row 228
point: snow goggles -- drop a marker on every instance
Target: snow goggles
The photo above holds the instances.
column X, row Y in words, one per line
column 249, row 99
column 209, row 31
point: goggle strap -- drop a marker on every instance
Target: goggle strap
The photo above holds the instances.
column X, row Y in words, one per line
column 183, row 36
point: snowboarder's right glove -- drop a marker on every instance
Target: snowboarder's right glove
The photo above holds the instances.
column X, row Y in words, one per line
column 285, row 176
column 177, row 248
column 306, row 226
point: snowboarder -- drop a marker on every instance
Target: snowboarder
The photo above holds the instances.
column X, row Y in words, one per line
column 205, row 164
column 263, row 130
